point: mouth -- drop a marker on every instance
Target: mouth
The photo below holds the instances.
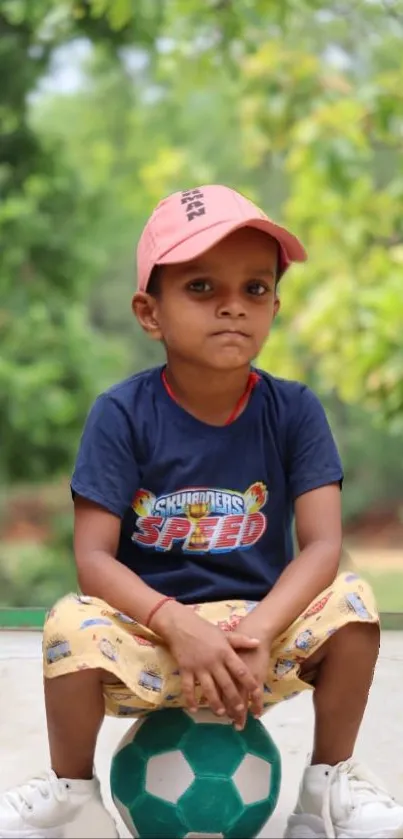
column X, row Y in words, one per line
column 231, row 333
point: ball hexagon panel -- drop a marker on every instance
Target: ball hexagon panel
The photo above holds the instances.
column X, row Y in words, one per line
column 257, row 740
column 153, row 738
column 168, row 776
column 177, row 775
column 253, row 779
column 166, row 822
column 250, row 822
column 229, row 749
column 221, row 805
column 130, row 783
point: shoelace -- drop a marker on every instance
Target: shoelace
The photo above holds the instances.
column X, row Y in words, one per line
column 353, row 778
column 25, row 795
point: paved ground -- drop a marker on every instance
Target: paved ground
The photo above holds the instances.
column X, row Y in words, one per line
column 23, row 747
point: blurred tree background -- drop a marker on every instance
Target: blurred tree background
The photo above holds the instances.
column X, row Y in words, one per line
column 107, row 105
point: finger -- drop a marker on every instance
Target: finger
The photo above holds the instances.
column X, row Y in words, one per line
column 188, row 690
column 209, row 689
column 256, row 706
column 233, row 699
column 239, row 641
column 240, row 672
column 240, row 724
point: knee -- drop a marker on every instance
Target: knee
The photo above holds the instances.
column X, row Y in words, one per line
column 356, row 641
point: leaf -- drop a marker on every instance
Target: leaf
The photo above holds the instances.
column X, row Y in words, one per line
column 120, row 13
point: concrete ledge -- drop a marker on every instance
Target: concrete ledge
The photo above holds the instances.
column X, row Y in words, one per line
column 33, row 619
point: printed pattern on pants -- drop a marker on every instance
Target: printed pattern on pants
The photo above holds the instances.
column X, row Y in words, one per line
column 84, row 632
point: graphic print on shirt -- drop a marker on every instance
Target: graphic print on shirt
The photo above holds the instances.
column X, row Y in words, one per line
column 200, row 519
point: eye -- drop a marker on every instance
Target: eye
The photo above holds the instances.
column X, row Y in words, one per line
column 200, row 286
column 258, row 288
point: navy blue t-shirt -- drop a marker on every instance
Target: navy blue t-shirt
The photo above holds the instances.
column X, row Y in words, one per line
column 206, row 511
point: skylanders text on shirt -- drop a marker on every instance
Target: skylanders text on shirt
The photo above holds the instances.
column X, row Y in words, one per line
column 200, row 519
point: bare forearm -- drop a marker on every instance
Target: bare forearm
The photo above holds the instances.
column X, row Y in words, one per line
column 103, row 576
column 307, row 575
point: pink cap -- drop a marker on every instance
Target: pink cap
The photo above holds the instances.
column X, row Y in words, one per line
column 186, row 224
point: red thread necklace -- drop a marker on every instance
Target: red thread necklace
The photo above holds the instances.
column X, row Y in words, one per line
column 253, row 378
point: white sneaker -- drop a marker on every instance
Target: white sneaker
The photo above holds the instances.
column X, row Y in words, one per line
column 40, row 808
column 345, row 801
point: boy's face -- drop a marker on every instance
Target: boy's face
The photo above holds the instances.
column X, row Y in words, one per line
column 216, row 310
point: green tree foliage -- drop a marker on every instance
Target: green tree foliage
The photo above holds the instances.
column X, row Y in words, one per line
column 316, row 94
column 53, row 359
column 48, row 350
column 304, row 113
column 296, row 104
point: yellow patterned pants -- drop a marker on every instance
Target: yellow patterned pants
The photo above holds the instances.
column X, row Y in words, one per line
column 84, row 632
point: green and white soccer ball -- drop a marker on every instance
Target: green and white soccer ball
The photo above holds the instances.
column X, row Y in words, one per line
column 177, row 775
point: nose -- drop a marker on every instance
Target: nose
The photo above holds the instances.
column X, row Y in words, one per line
column 232, row 306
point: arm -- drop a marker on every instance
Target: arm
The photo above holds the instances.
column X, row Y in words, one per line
column 314, row 475
column 319, row 534
column 201, row 650
column 105, row 479
column 96, row 539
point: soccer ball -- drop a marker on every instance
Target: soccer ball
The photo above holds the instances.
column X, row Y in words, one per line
column 177, row 775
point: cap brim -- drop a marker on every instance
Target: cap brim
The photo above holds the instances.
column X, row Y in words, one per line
column 203, row 240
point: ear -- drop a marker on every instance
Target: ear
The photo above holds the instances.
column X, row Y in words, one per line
column 145, row 310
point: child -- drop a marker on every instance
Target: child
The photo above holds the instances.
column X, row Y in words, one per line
column 185, row 488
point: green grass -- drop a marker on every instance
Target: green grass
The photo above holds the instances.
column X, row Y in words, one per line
column 388, row 589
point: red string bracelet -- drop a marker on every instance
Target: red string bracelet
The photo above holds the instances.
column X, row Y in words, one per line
column 155, row 609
